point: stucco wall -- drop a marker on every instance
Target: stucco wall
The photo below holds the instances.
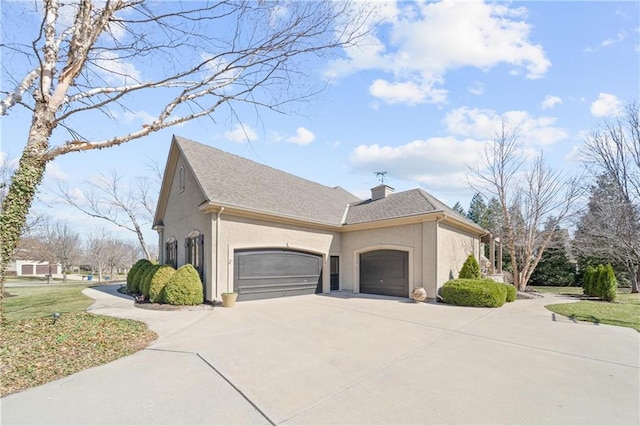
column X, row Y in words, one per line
column 182, row 216
column 403, row 237
column 242, row 233
column 453, row 248
column 429, row 258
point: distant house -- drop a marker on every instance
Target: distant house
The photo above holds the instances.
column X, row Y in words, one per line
column 27, row 267
column 261, row 232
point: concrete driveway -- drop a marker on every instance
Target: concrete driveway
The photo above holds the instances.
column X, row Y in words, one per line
column 350, row 359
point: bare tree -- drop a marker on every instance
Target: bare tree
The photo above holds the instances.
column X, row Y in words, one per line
column 58, row 243
column 106, row 253
column 610, row 228
column 210, row 57
column 534, row 200
column 109, row 198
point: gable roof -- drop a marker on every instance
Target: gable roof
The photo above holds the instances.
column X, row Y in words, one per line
column 230, row 180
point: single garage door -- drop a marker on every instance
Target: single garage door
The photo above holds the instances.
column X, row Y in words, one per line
column 385, row 272
column 266, row 273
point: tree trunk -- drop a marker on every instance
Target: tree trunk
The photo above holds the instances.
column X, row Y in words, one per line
column 635, row 281
column 22, row 190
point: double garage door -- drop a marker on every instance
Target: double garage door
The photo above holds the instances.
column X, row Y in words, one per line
column 266, row 273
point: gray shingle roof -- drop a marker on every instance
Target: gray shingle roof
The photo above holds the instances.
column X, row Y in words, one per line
column 232, row 180
column 402, row 204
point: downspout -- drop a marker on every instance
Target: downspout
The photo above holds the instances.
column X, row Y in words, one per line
column 218, row 248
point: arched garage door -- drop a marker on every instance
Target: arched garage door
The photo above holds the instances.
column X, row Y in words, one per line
column 385, row 272
column 266, row 273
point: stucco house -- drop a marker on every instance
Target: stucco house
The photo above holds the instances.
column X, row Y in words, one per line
column 261, row 232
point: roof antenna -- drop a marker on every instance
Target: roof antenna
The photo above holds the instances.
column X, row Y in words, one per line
column 381, row 176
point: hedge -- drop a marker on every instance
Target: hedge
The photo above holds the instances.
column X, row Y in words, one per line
column 184, row 287
column 472, row 292
column 145, row 281
column 512, row 294
column 158, row 283
column 600, row 282
column 132, row 273
column 607, row 284
column 136, row 281
column 589, row 280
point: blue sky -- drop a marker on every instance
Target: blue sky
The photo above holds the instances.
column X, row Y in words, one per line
column 418, row 100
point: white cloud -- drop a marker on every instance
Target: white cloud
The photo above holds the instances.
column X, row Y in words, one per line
column 116, row 71
column 551, row 101
column 435, row 162
column 606, row 105
column 276, row 13
column 54, row 172
column 619, row 38
column 219, row 67
column 133, row 116
column 241, row 133
column 426, row 40
column 10, row 163
column 408, row 93
column 302, row 137
column 483, row 123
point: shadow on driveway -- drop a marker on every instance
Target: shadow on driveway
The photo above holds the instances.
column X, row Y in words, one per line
column 112, row 289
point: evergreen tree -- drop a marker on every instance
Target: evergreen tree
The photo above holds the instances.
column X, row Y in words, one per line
column 555, row 267
column 470, row 268
column 478, row 210
column 458, row 208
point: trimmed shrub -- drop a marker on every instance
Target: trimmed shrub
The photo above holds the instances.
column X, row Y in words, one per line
column 607, row 283
column 589, row 281
column 477, row 293
column 132, row 273
column 512, row 293
column 138, row 277
column 145, row 280
column 158, row 282
column 184, row 287
column 470, row 268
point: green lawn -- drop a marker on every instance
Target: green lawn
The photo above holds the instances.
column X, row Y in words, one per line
column 624, row 312
column 40, row 301
column 35, row 349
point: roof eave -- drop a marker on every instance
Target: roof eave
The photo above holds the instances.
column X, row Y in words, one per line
column 437, row 215
column 216, row 206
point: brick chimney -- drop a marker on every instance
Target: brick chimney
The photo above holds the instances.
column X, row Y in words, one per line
column 380, row 192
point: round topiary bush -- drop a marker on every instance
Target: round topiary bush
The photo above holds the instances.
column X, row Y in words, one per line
column 184, row 287
column 132, row 273
column 135, row 277
column 139, row 276
column 158, row 283
column 470, row 269
column 476, row 293
column 145, row 281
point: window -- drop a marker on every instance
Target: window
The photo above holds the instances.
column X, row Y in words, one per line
column 181, row 179
column 194, row 253
column 171, row 252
